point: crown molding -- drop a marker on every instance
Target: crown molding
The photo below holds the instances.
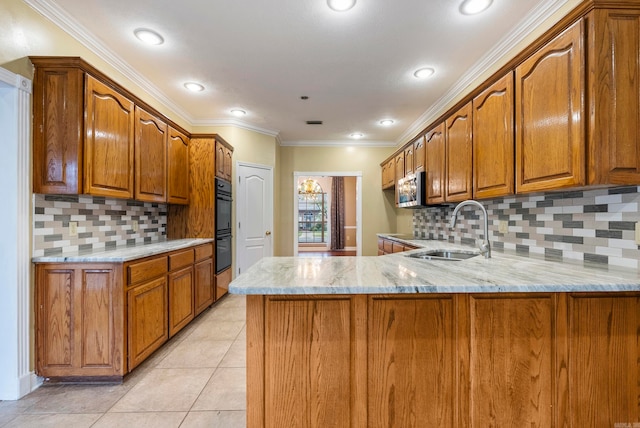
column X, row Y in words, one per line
column 238, row 124
column 337, row 143
column 67, row 23
column 541, row 13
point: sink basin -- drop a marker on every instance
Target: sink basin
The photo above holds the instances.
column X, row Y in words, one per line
column 450, row 255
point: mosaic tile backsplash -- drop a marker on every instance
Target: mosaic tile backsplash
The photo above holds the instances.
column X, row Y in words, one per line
column 102, row 223
column 590, row 225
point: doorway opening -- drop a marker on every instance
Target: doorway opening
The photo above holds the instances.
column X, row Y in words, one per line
column 327, row 214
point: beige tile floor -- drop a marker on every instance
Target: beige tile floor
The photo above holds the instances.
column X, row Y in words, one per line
column 197, row 379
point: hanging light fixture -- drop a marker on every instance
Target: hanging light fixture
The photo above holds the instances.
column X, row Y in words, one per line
column 308, row 186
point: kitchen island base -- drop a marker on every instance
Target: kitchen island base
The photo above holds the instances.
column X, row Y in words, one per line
column 443, row 360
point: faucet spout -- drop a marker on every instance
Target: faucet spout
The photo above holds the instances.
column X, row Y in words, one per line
column 485, row 246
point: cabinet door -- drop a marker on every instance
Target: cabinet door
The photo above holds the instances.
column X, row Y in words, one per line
column 109, row 136
column 408, row 160
column 228, row 164
column 400, row 167
column 151, row 158
column 220, row 160
column 419, row 155
column 58, row 110
column 79, row 320
column 411, row 362
column 614, row 97
column 459, row 155
column 181, row 310
column 388, row 174
column 177, row 168
column 434, row 142
column 223, row 279
column 550, row 151
column 147, row 319
column 493, row 140
column 204, row 285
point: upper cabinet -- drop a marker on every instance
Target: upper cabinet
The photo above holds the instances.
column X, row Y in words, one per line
column 151, row 157
column 493, row 140
column 389, row 174
column 90, row 136
column 550, row 137
column 177, row 167
column 459, row 155
column 419, row 156
column 108, row 148
column 435, row 163
column 408, row 160
column 224, row 156
column 614, row 96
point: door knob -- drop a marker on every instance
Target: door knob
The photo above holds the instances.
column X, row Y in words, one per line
column 268, row 232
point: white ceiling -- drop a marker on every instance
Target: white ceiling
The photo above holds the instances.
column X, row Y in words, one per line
column 356, row 67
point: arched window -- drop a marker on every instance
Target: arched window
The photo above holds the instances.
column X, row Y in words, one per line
column 312, row 213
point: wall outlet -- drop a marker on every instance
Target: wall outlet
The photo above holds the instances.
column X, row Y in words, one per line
column 503, row 226
column 73, row 228
column 637, row 233
column 134, row 225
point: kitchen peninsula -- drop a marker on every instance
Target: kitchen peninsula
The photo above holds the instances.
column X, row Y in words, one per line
column 396, row 341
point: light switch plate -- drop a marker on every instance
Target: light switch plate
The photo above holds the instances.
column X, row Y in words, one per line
column 637, row 233
column 503, row 226
column 134, row 225
column 73, row 228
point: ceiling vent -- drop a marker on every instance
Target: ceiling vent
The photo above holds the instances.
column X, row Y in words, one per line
column 314, row 122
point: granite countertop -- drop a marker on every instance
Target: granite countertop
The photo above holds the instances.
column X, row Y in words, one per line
column 397, row 273
column 124, row 253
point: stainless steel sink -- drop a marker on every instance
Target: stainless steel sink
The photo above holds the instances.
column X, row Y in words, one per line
column 449, row 255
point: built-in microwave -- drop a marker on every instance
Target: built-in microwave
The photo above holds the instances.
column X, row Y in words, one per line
column 411, row 190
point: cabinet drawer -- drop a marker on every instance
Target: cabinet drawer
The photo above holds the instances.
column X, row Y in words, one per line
column 380, row 244
column 146, row 270
column 398, row 248
column 387, row 246
column 181, row 259
column 204, row 251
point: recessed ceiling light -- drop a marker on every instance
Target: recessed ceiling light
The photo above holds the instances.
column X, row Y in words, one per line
column 471, row 7
column 356, row 135
column 150, row 37
column 341, row 5
column 423, row 73
column 193, row 86
column 386, row 122
column 238, row 112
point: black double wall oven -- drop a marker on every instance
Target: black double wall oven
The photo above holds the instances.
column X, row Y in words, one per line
column 223, row 224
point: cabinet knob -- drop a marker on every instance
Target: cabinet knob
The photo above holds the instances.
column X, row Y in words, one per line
column 268, row 232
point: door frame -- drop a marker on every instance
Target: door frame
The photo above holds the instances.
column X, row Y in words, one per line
column 357, row 174
column 238, row 209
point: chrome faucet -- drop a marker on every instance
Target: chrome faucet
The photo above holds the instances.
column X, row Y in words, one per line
column 485, row 247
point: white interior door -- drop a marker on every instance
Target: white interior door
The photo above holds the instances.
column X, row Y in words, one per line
column 255, row 215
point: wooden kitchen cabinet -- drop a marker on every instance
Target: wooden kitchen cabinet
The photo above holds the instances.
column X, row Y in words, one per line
column 387, row 246
column 109, row 141
column 435, row 161
column 147, row 307
column 177, row 167
column 493, row 140
column 408, row 160
column 389, row 174
column 204, row 279
column 459, row 155
column 79, row 320
column 614, row 96
column 224, row 155
column 399, row 166
column 151, row 157
column 181, row 290
column 550, row 137
column 58, row 107
column 419, row 156
column 223, row 279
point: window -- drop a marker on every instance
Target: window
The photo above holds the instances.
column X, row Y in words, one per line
column 312, row 213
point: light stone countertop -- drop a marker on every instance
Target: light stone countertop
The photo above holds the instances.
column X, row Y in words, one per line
column 397, row 273
column 123, row 253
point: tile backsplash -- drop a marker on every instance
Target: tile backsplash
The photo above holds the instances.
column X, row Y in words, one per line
column 591, row 225
column 102, row 223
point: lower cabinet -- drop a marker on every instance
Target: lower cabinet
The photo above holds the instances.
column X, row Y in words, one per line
column 147, row 319
column 223, row 279
column 387, row 246
column 444, row 360
column 79, row 322
column 101, row 320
